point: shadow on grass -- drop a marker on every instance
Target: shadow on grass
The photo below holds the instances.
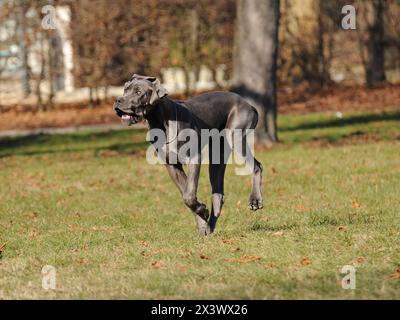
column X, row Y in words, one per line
column 39, row 144
column 359, row 119
column 262, row 226
column 315, row 221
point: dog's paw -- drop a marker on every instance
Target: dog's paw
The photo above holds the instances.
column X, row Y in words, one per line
column 203, row 228
column 255, row 203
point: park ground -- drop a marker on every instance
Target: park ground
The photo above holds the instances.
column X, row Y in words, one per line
column 114, row 226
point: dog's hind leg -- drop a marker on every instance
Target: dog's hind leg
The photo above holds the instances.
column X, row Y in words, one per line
column 246, row 122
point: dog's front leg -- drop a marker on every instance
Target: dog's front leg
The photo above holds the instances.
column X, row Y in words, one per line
column 187, row 186
column 177, row 175
column 190, row 198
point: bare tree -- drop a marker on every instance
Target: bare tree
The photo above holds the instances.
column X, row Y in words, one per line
column 375, row 68
column 255, row 62
column 20, row 16
column 372, row 39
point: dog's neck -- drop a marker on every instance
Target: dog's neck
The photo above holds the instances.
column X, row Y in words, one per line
column 160, row 113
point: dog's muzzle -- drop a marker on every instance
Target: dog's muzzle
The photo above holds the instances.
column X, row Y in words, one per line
column 130, row 117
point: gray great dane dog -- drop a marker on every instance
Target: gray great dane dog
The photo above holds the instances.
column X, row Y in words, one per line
column 144, row 98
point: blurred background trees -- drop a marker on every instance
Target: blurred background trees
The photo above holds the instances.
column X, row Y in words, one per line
column 98, row 44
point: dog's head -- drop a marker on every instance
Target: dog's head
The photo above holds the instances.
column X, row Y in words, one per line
column 140, row 92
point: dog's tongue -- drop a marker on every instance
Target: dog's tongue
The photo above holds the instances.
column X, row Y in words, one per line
column 126, row 119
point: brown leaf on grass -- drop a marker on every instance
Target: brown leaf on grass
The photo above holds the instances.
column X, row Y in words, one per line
column 228, row 241
column 143, row 243
column 244, row 259
column 302, row 208
column 395, row 275
column 204, row 257
column 2, row 247
column 270, row 265
column 156, row 264
column 305, row 261
column 60, row 202
column 355, row 204
column 182, row 269
column 342, row 228
column 273, row 170
column 360, row 260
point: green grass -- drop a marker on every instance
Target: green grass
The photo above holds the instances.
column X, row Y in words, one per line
column 115, row 226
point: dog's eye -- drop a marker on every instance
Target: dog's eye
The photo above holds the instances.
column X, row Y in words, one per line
column 138, row 92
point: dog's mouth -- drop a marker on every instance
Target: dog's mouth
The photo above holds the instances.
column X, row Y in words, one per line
column 129, row 118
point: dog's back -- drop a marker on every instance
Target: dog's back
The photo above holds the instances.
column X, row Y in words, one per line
column 213, row 108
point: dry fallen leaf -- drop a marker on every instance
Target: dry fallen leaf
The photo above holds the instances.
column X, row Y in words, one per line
column 360, row 260
column 355, row 204
column 61, row 202
column 228, row 241
column 342, row 228
column 305, row 261
column 396, row 274
column 182, row 269
column 302, row 208
column 204, row 257
column 278, row 234
column 2, row 247
column 156, row 264
column 143, row 243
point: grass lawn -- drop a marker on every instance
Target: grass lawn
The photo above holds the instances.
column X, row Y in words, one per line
column 115, row 227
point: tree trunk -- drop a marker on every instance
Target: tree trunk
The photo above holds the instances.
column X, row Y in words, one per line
column 255, row 62
column 23, row 49
column 375, row 69
column 40, row 76
column 50, row 58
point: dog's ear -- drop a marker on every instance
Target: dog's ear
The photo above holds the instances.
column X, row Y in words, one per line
column 140, row 77
column 158, row 90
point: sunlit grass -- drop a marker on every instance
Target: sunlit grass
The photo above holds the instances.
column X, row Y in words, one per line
column 115, row 226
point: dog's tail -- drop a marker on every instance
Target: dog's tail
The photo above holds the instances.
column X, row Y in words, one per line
column 254, row 118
